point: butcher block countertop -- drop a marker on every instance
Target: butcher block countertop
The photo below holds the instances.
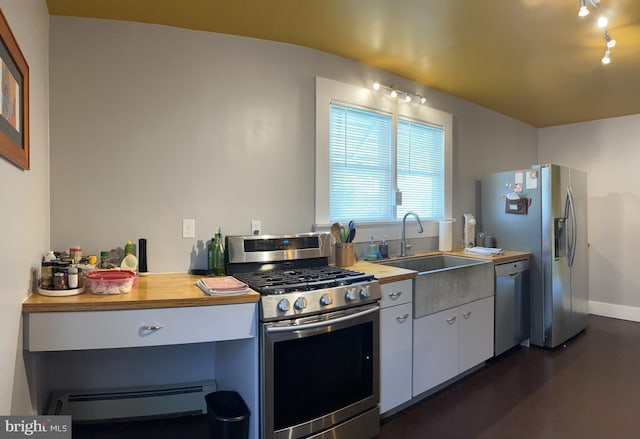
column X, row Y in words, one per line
column 170, row 290
column 507, row 256
column 384, row 273
column 153, row 291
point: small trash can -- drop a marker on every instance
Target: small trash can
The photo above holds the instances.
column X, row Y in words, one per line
column 227, row 415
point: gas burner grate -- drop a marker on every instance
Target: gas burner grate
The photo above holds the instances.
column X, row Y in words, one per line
column 306, row 279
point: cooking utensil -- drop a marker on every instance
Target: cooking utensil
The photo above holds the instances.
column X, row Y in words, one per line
column 352, row 231
column 335, row 231
column 344, row 233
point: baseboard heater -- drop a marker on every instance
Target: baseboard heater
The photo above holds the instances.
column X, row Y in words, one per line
column 131, row 403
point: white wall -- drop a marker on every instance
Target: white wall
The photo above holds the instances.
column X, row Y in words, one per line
column 24, row 197
column 152, row 124
column 608, row 150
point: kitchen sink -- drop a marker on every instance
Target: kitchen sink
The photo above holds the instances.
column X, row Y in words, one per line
column 425, row 264
column 445, row 281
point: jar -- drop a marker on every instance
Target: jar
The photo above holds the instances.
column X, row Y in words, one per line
column 75, row 253
column 104, row 260
column 72, row 277
column 46, row 275
column 58, row 281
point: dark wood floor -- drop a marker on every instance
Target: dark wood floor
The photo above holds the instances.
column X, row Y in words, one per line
column 588, row 389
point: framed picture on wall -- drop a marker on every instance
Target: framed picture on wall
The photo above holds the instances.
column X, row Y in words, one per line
column 14, row 99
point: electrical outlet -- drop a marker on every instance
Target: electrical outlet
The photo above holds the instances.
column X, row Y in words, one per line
column 188, row 228
column 256, row 227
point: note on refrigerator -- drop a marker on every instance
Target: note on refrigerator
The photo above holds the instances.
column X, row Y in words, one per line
column 532, row 180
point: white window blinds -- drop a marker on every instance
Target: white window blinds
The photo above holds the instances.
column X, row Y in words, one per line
column 360, row 155
column 420, row 169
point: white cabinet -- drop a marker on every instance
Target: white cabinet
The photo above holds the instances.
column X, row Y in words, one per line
column 450, row 342
column 435, row 349
column 476, row 333
column 395, row 344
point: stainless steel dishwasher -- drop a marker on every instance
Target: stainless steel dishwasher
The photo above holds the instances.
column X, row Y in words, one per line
column 512, row 305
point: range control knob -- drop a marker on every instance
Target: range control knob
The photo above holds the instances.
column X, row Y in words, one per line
column 300, row 303
column 364, row 292
column 284, row 305
column 326, row 299
column 350, row 295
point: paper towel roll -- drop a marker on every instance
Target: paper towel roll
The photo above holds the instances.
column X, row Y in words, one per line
column 445, row 236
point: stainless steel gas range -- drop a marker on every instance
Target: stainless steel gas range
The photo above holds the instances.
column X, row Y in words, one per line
column 319, row 337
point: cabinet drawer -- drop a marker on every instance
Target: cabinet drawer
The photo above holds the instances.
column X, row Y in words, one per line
column 60, row 331
column 395, row 293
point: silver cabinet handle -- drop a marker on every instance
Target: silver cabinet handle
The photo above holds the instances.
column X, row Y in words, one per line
column 467, row 315
column 154, row 327
column 395, row 295
column 451, row 320
column 402, row 318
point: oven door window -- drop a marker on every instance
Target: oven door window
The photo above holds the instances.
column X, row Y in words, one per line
column 319, row 374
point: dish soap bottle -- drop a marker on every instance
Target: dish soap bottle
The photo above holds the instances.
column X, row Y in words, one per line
column 383, row 248
column 372, row 251
column 218, row 254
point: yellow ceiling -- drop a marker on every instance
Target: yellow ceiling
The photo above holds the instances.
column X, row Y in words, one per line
column 533, row 60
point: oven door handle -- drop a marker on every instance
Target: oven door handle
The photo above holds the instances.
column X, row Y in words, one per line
column 322, row 323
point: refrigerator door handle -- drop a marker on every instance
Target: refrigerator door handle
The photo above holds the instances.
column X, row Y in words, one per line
column 570, row 212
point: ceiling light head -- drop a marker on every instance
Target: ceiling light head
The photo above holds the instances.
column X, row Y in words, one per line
column 606, row 59
column 423, row 99
column 602, row 21
column 583, row 11
column 610, row 41
column 376, row 86
column 407, row 98
column 393, row 94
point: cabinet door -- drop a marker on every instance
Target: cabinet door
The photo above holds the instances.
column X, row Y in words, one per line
column 435, row 349
column 476, row 333
column 395, row 356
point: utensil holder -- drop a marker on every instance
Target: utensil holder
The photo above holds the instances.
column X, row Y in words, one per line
column 344, row 254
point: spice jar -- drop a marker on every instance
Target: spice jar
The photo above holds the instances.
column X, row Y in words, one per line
column 58, row 281
column 75, row 253
column 104, row 260
column 72, row 277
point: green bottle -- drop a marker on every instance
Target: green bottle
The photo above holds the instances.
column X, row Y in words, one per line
column 218, row 254
column 210, row 256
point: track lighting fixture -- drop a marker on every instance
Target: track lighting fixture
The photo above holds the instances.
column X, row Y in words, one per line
column 395, row 92
column 602, row 23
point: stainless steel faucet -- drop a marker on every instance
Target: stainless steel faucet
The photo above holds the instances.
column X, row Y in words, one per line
column 403, row 242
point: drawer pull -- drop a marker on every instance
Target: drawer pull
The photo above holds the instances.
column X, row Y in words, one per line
column 467, row 315
column 155, row 327
column 451, row 320
column 402, row 318
column 395, row 295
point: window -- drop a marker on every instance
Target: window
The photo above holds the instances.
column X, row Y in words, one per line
column 360, row 157
column 367, row 146
column 420, row 169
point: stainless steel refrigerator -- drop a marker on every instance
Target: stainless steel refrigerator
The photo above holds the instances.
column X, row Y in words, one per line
column 543, row 210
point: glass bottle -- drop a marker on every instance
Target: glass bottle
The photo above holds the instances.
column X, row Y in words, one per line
column 218, row 254
column 210, row 256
